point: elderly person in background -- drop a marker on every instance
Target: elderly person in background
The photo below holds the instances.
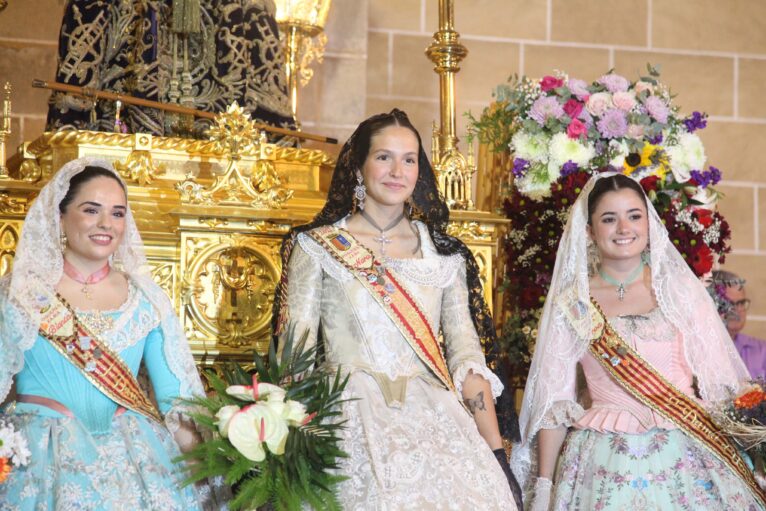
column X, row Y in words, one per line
column 751, row 349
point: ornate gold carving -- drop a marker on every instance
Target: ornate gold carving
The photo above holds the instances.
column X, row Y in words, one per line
column 228, row 289
column 5, row 127
column 454, row 172
column 139, row 165
column 10, row 205
column 468, row 230
column 9, row 238
column 213, row 222
column 261, row 187
column 164, row 276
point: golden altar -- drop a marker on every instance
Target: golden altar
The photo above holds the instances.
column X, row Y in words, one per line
column 217, row 257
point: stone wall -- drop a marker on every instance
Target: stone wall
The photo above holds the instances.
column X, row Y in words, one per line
column 712, row 53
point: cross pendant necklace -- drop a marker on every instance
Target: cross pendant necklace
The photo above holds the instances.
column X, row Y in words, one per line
column 621, row 285
column 382, row 238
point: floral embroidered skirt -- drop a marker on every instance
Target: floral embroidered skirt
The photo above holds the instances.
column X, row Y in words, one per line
column 657, row 470
column 129, row 467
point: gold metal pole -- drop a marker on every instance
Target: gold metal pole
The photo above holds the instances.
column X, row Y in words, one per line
column 5, row 129
column 454, row 171
column 293, row 43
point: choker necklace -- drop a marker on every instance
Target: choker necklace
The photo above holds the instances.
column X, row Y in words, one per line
column 93, row 278
column 621, row 285
column 382, row 238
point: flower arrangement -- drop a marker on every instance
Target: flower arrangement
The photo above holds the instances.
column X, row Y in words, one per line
column 560, row 131
column 273, row 437
column 744, row 418
column 14, row 451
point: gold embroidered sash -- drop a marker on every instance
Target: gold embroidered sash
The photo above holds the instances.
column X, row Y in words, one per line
column 643, row 382
column 392, row 296
column 96, row 361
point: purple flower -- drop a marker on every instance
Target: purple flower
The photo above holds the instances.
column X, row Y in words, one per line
column 568, row 168
column 520, row 167
column 706, row 178
column 656, row 140
column 613, row 124
column 657, row 109
column 579, row 88
column 696, row 121
column 715, row 175
column 614, row 83
column 544, row 108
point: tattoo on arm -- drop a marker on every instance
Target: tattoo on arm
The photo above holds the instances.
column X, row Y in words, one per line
column 476, row 403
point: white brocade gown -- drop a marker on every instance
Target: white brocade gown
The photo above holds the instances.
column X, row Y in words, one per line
column 410, row 442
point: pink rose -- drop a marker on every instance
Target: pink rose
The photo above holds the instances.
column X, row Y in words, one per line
column 643, row 86
column 573, row 108
column 625, row 101
column 635, row 131
column 576, row 129
column 599, row 103
column 550, row 82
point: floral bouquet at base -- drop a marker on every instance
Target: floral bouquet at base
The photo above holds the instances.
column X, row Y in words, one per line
column 560, row 131
column 14, row 451
column 274, row 439
column 744, row 419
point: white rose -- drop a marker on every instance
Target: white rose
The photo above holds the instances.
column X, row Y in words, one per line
column 695, row 151
column 256, row 391
column 679, row 165
column 224, row 416
column 294, row 413
column 599, row 103
column 706, row 198
column 254, row 426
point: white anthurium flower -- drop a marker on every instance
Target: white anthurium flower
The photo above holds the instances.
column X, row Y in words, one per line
column 564, row 149
column 256, row 391
column 257, row 426
column 295, row 413
column 223, row 417
column 530, row 147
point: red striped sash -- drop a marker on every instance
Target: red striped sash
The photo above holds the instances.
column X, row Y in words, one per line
column 643, row 382
column 96, row 361
column 392, row 296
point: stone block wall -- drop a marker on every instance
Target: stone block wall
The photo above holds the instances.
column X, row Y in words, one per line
column 712, row 53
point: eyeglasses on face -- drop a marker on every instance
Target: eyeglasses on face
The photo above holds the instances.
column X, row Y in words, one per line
column 743, row 304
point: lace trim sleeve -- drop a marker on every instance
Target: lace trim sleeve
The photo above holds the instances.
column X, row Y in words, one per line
column 562, row 413
column 332, row 267
column 460, row 373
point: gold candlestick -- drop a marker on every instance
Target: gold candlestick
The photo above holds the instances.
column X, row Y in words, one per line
column 453, row 170
column 5, row 132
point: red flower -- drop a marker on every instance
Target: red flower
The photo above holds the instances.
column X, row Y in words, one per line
column 576, row 129
column 550, row 83
column 650, row 183
column 702, row 260
column 704, row 216
column 5, row 469
column 573, row 108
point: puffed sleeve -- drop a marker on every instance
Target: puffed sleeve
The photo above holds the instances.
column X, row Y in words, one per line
column 304, row 297
column 166, row 386
column 464, row 353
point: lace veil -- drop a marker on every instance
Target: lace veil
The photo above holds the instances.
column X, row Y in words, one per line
column 550, row 396
column 39, row 263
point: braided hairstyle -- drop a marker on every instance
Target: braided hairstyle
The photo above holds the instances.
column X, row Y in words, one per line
column 428, row 206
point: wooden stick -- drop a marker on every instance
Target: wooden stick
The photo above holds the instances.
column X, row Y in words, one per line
column 89, row 92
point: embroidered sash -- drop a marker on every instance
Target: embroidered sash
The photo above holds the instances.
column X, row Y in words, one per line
column 643, row 382
column 96, row 361
column 392, row 296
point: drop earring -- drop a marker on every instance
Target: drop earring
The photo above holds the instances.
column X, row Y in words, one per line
column 360, row 192
column 62, row 241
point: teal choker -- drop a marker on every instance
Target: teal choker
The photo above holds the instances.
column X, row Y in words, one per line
column 621, row 285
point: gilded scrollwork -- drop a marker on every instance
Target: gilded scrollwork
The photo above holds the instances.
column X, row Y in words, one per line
column 9, row 237
column 228, row 290
column 164, row 274
column 139, row 167
column 9, row 205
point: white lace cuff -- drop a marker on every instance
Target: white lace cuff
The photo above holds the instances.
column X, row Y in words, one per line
column 332, row 267
column 562, row 413
column 463, row 370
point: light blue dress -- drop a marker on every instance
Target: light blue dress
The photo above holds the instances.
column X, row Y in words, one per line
column 96, row 460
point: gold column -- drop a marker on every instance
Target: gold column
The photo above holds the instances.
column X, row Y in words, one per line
column 453, row 170
column 5, row 129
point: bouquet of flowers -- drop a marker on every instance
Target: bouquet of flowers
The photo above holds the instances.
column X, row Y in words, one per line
column 744, row 418
column 560, row 131
column 273, row 437
column 14, row 451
